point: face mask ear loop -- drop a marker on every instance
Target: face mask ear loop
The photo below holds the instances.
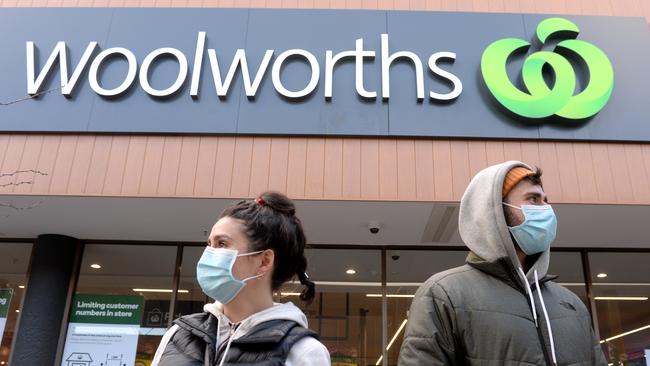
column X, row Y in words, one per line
column 252, row 277
column 513, row 206
column 548, row 321
column 250, row 253
column 530, row 295
column 245, row 255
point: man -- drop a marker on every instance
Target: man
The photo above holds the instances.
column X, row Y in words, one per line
column 501, row 308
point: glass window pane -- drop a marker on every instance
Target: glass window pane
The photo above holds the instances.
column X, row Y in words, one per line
column 143, row 271
column 348, row 321
column 14, row 263
column 622, row 288
column 568, row 267
column 190, row 297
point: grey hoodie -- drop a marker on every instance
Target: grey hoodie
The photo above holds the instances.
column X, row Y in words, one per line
column 488, row 312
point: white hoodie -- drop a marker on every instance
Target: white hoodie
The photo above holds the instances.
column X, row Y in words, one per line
column 307, row 352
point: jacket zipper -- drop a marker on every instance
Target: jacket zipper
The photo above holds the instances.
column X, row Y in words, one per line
column 543, row 343
column 540, row 336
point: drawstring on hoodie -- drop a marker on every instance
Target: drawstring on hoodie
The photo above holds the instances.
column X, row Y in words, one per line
column 529, row 292
column 548, row 321
column 532, row 305
column 231, row 337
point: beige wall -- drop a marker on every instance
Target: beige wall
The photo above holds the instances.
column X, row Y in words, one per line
column 580, row 7
column 321, row 167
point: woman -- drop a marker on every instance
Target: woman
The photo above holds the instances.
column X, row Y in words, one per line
column 253, row 249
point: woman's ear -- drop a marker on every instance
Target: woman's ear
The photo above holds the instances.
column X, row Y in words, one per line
column 268, row 259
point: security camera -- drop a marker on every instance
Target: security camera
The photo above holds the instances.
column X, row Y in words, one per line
column 374, row 227
column 395, row 256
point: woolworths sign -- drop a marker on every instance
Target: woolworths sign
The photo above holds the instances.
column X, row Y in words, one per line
column 239, row 64
column 540, row 100
column 292, row 72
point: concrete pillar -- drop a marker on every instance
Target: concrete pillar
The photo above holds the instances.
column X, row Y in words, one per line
column 42, row 317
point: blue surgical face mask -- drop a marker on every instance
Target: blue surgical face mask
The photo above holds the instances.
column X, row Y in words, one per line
column 214, row 273
column 538, row 230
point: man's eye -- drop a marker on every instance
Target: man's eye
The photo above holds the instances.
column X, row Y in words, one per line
column 221, row 244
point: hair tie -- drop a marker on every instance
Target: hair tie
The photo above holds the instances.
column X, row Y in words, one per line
column 303, row 277
column 260, row 201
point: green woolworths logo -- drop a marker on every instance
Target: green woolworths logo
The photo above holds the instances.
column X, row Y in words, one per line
column 541, row 101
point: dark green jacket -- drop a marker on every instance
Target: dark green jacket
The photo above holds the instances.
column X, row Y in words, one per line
column 479, row 314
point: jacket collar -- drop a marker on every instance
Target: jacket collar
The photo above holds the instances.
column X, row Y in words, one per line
column 502, row 269
column 203, row 325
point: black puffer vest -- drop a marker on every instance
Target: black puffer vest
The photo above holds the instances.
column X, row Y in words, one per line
column 267, row 344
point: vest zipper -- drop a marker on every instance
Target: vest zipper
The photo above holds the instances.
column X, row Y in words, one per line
column 224, row 344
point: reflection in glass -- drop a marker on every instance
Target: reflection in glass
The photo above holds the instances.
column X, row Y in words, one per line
column 14, row 262
column 134, row 270
column 621, row 293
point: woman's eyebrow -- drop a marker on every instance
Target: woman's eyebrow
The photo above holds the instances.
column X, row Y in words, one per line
column 221, row 236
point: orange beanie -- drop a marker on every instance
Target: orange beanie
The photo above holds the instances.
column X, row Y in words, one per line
column 514, row 176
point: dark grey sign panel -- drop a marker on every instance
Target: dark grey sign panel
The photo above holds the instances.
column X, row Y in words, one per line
column 261, row 107
column 315, row 31
column 627, row 44
column 473, row 113
column 146, row 30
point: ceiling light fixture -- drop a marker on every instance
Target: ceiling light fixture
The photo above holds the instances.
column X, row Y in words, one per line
column 621, row 298
column 576, row 284
column 625, row 334
column 95, row 266
column 362, row 284
column 162, row 290
column 392, row 295
column 351, row 271
column 601, row 275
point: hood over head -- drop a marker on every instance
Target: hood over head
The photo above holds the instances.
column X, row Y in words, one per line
column 482, row 223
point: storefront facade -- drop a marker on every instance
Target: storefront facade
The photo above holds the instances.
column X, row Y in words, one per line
column 109, row 192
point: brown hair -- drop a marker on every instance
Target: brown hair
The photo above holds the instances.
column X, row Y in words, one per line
column 536, row 178
column 270, row 222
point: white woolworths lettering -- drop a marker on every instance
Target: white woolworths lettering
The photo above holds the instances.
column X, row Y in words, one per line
column 458, row 85
column 34, row 85
column 277, row 67
column 387, row 60
column 359, row 55
column 180, row 80
column 239, row 61
column 130, row 75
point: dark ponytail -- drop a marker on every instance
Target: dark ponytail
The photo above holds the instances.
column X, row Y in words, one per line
column 270, row 222
column 307, row 295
